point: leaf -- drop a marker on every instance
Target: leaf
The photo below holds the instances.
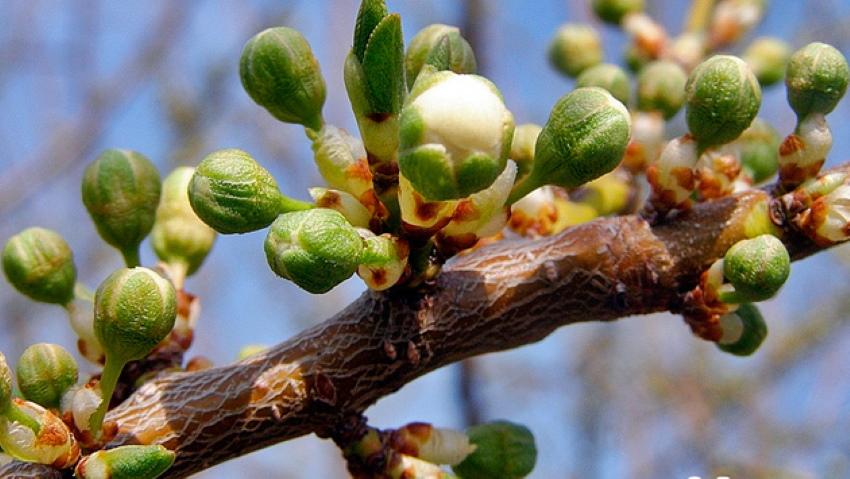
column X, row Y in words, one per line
column 383, row 65
column 368, row 17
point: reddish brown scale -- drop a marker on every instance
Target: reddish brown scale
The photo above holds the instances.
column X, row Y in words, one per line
column 378, row 276
column 792, row 175
column 360, row 170
column 466, row 211
column 379, row 117
column 329, row 200
column 635, row 159
column 451, row 245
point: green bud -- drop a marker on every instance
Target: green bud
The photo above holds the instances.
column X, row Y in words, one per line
column 179, row 237
column 575, row 48
column 503, row 449
column 40, row 265
column 441, row 46
column 5, row 383
column 369, row 15
column 743, row 330
column 280, row 73
column 816, row 78
column 134, row 310
column 661, row 87
column 585, row 137
column 767, row 57
column 121, row 192
column 316, row 249
column 636, row 58
column 45, row 372
column 608, row 77
column 522, row 147
column 234, row 194
column 723, row 98
column 758, row 147
column 757, row 268
column 613, row 11
column 455, row 135
column 126, row 462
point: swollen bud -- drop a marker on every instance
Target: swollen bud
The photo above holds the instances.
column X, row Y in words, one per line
column 45, row 372
column 280, row 73
column 743, row 330
column 608, row 77
column 179, row 237
column 756, row 268
column 441, row 46
column 575, row 48
column 503, row 449
column 723, row 97
column 767, row 57
column 758, row 148
column 39, row 264
column 234, row 194
column 121, row 192
column 315, row 249
column 613, row 11
column 455, row 135
column 817, row 78
column 126, row 462
column 661, row 88
column 585, row 137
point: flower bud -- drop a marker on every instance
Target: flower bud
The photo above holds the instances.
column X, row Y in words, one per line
column 661, row 87
column 758, row 148
column 315, row 249
column 179, row 237
column 39, row 264
column 280, row 73
column 134, row 309
column 649, row 38
column 584, row 138
column 687, row 50
column 803, row 153
column 646, row 142
column 723, row 97
column 613, row 11
column 441, row 46
column 455, row 135
column 79, row 403
column 522, row 147
column 52, row 443
column 816, row 79
column 432, row 444
column 234, row 194
column 575, row 48
column 503, row 449
column 732, row 19
column 45, row 372
column 716, row 172
column 743, row 330
column 756, row 268
column 673, row 176
column 383, row 261
column 126, row 462
column 828, row 220
column 767, row 58
column 608, row 77
column 121, row 192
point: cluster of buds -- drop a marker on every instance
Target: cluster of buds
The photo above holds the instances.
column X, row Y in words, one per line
column 417, row 450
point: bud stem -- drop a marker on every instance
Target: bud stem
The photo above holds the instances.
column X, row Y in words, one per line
column 108, row 381
column 131, row 256
column 288, row 204
column 522, row 188
column 15, row 414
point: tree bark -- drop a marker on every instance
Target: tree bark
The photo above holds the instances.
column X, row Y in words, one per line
column 512, row 293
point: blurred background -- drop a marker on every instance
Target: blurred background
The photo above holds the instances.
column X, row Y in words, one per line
column 638, row 398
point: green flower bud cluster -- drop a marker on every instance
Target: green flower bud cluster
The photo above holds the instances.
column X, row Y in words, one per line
column 755, row 269
column 574, row 49
column 280, row 73
column 135, row 310
column 440, row 46
column 767, row 58
column 744, row 330
column 121, row 191
column 232, row 193
column 455, row 135
column 608, row 77
column 374, row 78
column 585, row 137
column 502, row 449
column 126, row 462
column 661, row 88
column 39, row 263
column 179, row 238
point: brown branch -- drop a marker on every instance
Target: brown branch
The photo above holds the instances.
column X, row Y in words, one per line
column 500, row 297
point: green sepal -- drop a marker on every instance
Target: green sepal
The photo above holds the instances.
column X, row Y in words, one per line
column 504, row 450
column 428, row 169
column 383, row 67
column 753, row 331
column 368, row 17
column 39, row 264
column 315, row 249
column 126, row 462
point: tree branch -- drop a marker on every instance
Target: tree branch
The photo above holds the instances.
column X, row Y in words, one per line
column 506, row 295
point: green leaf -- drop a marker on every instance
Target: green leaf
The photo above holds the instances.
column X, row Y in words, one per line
column 370, row 15
column 383, row 65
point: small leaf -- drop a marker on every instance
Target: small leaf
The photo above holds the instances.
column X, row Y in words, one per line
column 383, row 65
column 370, row 15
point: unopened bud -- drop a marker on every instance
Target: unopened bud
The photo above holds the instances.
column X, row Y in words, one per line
column 767, row 58
column 756, row 268
column 575, row 48
column 503, row 449
column 441, row 46
column 126, row 462
column 45, row 372
column 661, row 87
column 609, row 77
column 817, row 79
column 39, row 264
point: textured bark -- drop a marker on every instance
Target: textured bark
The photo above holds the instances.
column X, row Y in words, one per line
column 503, row 296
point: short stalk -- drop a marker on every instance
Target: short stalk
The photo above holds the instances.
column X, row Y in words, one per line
column 288, row 204
column 108, row 381
column 131, row 256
